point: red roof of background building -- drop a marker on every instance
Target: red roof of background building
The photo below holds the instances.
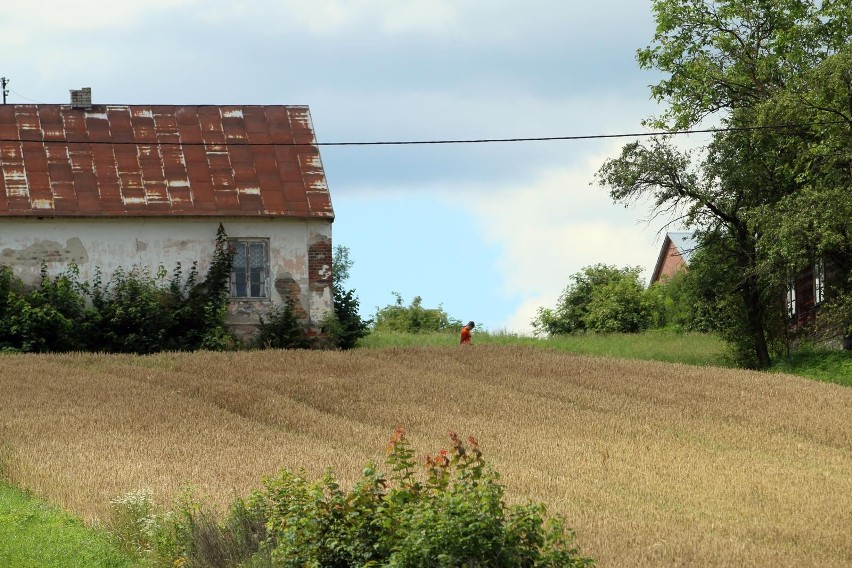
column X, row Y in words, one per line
column 153, row 160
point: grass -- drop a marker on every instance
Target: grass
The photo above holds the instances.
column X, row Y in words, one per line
column 653, row 464
column 34, row 534
column 654, row 345
column 828, row 366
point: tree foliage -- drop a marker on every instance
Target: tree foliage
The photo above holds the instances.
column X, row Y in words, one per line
column 815, row 221
column 749, row 65
column 345, row 326
column 413, row 318
column 599, row 298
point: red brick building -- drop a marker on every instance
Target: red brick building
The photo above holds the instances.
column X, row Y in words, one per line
column 674, row 255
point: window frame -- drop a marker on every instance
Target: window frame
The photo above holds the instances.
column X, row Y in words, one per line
column 791, row 297
column 263, row 283
column 819, row 282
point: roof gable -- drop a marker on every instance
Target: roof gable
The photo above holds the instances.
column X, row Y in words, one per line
column 684, row 242
column 676, row 244
column 153, row 160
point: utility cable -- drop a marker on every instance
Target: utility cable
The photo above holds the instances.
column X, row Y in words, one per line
column 458, row 141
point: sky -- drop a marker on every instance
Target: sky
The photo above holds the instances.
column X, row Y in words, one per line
column 490, row 232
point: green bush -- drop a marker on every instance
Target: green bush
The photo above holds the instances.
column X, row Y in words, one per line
column 453, row 515
column 281, row 329
column 135, row 312
column 50, row 317
column 618, row 307
column 413, row 318
column 346, row 326
column 599, row 298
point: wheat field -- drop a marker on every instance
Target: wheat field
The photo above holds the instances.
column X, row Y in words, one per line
column 652, row 464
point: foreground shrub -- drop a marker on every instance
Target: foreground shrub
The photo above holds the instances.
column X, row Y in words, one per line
column 453, row 515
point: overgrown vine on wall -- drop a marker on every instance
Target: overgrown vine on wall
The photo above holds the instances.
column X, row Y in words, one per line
column 135, row 312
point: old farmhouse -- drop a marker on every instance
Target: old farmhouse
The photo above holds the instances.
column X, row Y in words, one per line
column 108, row 186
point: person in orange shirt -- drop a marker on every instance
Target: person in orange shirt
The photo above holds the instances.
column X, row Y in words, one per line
column 465, row 333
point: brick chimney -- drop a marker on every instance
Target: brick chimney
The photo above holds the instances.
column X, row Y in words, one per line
column 82, row 98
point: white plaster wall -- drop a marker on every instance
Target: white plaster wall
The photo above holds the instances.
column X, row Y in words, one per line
column 112, row 243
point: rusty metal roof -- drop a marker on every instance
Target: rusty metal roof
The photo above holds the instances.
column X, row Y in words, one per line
column 152, row 160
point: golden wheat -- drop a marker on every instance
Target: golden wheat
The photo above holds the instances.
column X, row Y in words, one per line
column 653, row 464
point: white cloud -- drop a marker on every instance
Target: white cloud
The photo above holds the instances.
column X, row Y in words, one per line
column 54, row 16
column 330, row 18
column 552, row 227
column 483, row 22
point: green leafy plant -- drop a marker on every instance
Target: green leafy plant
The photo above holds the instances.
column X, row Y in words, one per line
column 452, row 513
column 134, row 312
column 49, row 317
column 282, row 329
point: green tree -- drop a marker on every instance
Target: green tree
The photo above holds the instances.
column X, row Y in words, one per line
column 684, row 301
column 345, row 325
column 814, row 223
column 198, row 321
column 413, row 318
column 599, row 298
column 723, row 61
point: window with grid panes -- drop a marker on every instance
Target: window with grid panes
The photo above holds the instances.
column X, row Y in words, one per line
column 249, row 274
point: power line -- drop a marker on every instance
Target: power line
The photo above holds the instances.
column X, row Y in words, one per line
column 25, row 98
column 434, row 142
column 585, row 137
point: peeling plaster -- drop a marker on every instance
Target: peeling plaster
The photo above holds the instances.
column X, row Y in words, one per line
column 45, row 251
column 288, row 287
column 294, row 263
column 178, row 245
